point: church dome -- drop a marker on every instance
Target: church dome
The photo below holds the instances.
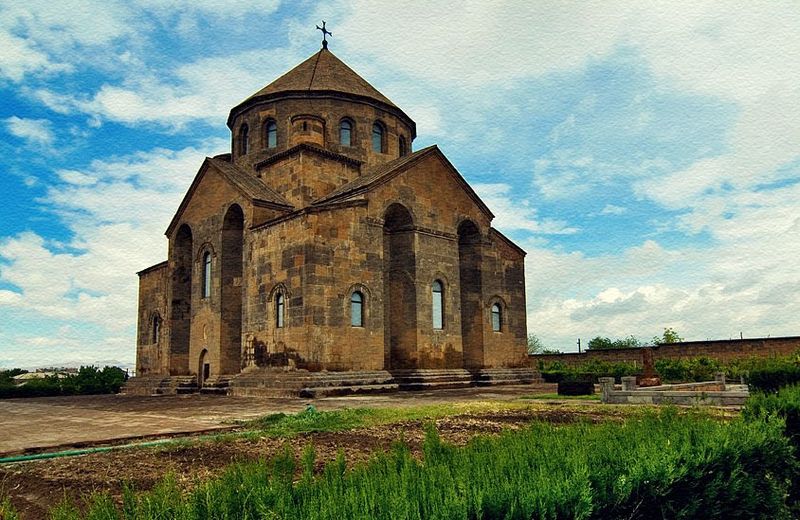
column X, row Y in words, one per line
column 322, row 75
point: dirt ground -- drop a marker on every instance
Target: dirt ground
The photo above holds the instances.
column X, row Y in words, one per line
column 42, row 424
column 37, row 485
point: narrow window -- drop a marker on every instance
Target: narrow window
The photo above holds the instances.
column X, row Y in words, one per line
column 244, row 140
column 271, row 133
column 345, row 133
column 156, row 328
column 438, row 307
column 402, row 146
column 279, row 304
column 377, row 137
column 497, row 317
column 357, row 309
column 207, row 275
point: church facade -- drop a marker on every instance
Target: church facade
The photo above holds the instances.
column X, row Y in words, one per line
column 325, row 243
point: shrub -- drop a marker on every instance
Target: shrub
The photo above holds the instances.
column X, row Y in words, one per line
column 591, row 371
column 785, row 403
column 687, row 370
column 772, row 374
column 89, row 380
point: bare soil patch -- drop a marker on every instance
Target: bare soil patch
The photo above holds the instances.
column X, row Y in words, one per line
column 36, row 486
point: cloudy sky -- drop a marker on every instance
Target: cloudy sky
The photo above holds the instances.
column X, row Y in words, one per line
column 645, row 154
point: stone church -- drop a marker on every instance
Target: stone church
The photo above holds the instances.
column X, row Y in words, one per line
column 325, row 251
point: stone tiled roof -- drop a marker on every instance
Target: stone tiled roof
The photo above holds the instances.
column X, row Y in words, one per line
column 374, row 175
column 386, row 171
column 246, row 182
column 323, row 72
column 251, row 187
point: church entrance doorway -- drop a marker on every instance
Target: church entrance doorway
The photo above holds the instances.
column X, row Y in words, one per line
column 204, row 369
column 400, row 295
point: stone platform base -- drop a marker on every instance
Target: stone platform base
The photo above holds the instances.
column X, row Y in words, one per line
column 160, row 385
column 301, row 383
column 269, row 382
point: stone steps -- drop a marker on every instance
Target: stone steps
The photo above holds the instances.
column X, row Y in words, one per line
column 274, row 383
column 334, row 391
column 431, row 379
column 301, row 383
column 216, row 385
column 507, row 376
column 160, row 385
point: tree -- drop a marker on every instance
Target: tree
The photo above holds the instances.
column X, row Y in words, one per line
column 535, row 345
column 605, row 343
column 669, row 336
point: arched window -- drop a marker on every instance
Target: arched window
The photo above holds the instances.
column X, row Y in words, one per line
column 357, row 309
column 438, row 305
column 207, row 275
column 271, row 134
column 279, row 310
column 156, row 331
column 497, row 317
column 244, row 139
column 401, row 144
column 377, row 137
column 346, row 133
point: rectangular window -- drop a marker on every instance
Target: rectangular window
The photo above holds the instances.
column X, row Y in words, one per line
column 279, row 311
column 356, row 308
column 438, row 321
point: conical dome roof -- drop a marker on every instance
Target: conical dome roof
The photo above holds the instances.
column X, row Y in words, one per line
column 322, row 73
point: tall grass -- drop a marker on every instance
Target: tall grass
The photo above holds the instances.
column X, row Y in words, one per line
column 658, row 465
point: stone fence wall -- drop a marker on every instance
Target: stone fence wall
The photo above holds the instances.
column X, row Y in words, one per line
column 722, row 350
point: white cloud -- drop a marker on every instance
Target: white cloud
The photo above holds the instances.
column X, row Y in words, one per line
column 517, row 215
column 38, row 36
column 203, row 90
column 35, row 131
column 611, row 209
column 118, row 211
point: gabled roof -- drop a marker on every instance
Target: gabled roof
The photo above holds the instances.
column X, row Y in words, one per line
column 248, row 184
column 253, row 189
column 322, row 74
column 508, row 241
column 387, row 171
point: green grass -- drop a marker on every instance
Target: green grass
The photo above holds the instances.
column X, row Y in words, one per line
column 313, row 420
column 655, row 465
column 593, row 397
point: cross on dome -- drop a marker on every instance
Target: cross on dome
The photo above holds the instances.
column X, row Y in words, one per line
column 325, row 33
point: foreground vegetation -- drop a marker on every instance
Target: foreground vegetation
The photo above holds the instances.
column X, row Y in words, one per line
column 87, row 381
column 653, row 465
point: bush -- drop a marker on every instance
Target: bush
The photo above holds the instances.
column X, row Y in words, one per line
column 591, row 371
column 89, row 380
column 772, row 374
column 785, row 403
column 687, row 370
column 657, row 466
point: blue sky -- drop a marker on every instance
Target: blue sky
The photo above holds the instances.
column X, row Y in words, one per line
column 647, row 157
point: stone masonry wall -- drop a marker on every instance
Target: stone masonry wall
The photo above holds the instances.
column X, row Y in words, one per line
column 722, row 350
column 152, row 352
column 330, row 112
